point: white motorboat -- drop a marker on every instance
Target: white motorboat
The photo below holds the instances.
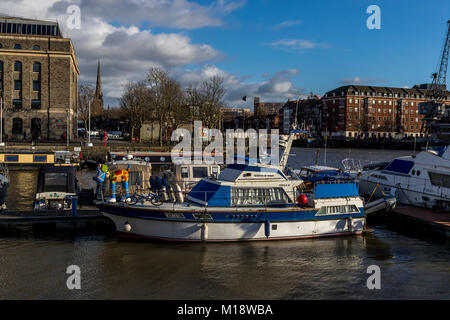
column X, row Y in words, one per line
column 247, row 201
column 422, row 180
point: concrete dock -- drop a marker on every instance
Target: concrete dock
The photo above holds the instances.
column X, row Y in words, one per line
column 426, row 219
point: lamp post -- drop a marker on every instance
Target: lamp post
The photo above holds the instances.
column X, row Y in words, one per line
column 89, row 144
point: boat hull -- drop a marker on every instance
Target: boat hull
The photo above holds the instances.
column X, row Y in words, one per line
column 209, row 231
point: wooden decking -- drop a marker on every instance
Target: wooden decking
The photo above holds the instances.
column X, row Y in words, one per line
column 426, row 219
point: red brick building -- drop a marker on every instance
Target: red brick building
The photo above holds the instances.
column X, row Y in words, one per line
column 366, row 111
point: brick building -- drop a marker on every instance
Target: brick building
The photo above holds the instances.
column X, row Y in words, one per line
column 367, row 111
column 266, row 107
column 309, row 115
column 38, row 80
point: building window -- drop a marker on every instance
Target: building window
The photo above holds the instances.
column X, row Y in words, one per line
column 17, row 46
column 17, row 126
column 36, row 104
column 36, row 67
column 36, row 86
column 36, row 47
column 1, row 46
column 17, row 85
column 17, row 66
column 17, row 103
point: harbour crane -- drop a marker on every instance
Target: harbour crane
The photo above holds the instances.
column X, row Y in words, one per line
column 436, row 118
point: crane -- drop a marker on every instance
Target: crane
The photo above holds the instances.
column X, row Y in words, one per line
column 434, row 110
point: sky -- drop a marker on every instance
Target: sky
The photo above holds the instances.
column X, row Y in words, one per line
column 276, row 50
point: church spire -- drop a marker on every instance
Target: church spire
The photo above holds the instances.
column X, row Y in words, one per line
column 98, row 88
column 98, row 97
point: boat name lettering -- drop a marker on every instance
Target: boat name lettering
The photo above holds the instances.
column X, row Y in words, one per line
column 175, row 215
column 202, row 216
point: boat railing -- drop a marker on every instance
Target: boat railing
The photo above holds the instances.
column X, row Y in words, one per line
column 355, row 165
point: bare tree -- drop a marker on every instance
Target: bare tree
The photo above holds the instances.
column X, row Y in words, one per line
column 85, row 95
column 206, row 101
column 135, row 103
column 169, row 101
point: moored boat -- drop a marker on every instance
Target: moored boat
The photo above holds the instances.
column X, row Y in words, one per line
column 247, row 201
column 422, row 180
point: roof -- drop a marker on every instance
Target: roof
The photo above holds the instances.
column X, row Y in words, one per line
column 320, row 168
column 375, row 90
column 11, row 19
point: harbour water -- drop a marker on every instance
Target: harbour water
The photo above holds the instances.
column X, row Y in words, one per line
column 33, row 265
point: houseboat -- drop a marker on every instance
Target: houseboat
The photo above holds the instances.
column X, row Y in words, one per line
column 247, row 201
column 20, row 158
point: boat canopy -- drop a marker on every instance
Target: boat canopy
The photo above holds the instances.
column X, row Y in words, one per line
column 400, row 166
column 336, row 190
column 56, row 179
column 210, row 193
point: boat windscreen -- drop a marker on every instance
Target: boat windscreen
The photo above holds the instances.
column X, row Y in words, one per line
column 55, row 182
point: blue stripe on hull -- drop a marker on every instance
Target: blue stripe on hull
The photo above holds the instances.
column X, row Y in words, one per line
column 230, row 216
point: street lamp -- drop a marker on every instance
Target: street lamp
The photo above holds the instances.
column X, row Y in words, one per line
column 89, row 144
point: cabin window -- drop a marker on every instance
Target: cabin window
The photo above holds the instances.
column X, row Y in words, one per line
column 55, row 181
column 11, row 158
column 441, row 180
column 39, row 158
column 345, row 209
column 184, row 172
column 200, row 172
column 258, row 196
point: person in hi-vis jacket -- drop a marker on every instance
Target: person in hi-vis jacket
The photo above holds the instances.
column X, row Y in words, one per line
column 102, row 174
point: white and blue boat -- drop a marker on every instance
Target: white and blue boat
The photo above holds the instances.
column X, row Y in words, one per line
column 247, row 202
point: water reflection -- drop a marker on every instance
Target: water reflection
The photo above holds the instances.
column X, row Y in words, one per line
column 332, row 268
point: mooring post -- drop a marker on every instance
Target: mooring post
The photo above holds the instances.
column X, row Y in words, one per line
column 74, row 206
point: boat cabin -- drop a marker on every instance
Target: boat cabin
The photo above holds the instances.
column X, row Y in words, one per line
column 246, row 185
column 55, row 188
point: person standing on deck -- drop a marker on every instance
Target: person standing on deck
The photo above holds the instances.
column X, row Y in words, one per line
column 102, row 174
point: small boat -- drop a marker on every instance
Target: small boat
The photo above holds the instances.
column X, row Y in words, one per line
column 56, row 187
column 247, row 201
column 422, row 180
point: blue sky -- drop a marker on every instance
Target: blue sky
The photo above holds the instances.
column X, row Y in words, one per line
column 405, row 51
column 272, row 49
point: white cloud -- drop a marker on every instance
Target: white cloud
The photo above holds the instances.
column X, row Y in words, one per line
column 359, row 80
column 125, row 52
column 297, row 45
column 288, row 23
column 278, row 87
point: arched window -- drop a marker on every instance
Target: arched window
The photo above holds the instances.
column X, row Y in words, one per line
column 17, row 126
column 1, row 46
column 17, row 46
column 36, row 47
